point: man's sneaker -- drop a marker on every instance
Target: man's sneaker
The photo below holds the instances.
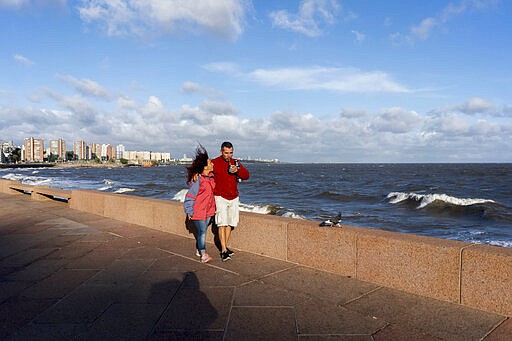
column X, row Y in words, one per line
column 229, row 252
column 198, row 254
column 205, row 258
column 224, row 256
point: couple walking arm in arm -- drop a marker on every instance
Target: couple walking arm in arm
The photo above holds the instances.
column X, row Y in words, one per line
column 214, row 190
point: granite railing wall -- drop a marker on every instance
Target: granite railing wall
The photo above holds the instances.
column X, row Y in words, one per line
column 474, row 275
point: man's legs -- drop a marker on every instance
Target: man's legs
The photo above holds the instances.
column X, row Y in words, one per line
column 226, row 216
column 223, row 238
column 224, row 234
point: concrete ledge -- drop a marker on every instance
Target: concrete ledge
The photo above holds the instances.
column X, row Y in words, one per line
column 478, row 276
column 486, row 278
column 261, row 234
column 89, row 201
column 420, row 265
column 330, row 249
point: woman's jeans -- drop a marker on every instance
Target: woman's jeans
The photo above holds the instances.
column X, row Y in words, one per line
column 201, row 226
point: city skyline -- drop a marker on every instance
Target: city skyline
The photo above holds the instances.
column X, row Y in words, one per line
column 35, row 150
column 299, row 81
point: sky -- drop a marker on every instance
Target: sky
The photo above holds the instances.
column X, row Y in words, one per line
column 299, row 81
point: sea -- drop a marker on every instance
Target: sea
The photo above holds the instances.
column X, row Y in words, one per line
column 466, row 202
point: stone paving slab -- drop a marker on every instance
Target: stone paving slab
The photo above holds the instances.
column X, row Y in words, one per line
column 442, row 319
column 69, row 275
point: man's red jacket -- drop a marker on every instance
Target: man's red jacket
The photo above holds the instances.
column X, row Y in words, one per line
column 226, row 184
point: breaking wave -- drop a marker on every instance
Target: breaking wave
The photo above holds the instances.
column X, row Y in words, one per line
column 124, row 190
column 254, row 208
column 424, row 200
column 27, row 179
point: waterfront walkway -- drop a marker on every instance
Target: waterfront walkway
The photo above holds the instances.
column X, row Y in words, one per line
column 69, row 275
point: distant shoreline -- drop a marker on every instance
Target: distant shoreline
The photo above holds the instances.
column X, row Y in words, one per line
column 88, row 164
column 62, row 165
column 26, row 165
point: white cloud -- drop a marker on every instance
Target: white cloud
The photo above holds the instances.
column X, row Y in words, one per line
column 127, row 103
column 472, row 106
column 475, row 106
column 23, row 60
column 86, row 86
column 190, row 87
column 226, row 67
column 427, row 26
column 358, row 36
column 449, row 124
column 357, row 135
column 224, row 19
column 219, row 108
column 193, row 88
column 311, row 16
column 322, row 78
column 396, row 120
column 353, row 113
column 422, row 31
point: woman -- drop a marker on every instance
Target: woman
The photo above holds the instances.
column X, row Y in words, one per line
column 199, row 201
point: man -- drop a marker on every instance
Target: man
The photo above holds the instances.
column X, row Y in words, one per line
column 227, row 171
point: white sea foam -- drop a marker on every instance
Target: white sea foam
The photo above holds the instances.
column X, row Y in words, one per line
column 123, row 190
column 262, row 209
column 503, row 243
column 104, row 188
column 27, row 179
column 426, row 199
column 180, row 196
column 294, row 215
column 108, row 181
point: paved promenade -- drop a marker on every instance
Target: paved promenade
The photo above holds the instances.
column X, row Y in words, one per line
column 69, row 275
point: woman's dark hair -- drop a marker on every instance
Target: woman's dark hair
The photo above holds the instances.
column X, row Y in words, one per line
column 200, row 161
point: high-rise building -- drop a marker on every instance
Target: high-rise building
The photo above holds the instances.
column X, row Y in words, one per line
column 96, row 150
column 80, row 149
column 111, row 152
column 58, row 148
column 119, row 151
column 33, row 150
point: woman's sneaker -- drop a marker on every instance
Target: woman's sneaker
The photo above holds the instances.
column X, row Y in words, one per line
column 224, row 256
column 205, row 258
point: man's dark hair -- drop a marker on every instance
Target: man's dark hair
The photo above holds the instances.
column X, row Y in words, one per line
column 226, row 145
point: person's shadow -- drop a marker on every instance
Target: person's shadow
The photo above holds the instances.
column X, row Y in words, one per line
column 189, row 312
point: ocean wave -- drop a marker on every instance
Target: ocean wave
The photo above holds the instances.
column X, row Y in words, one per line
column 124, row 190
column 27, row 179
column 291, row 214
column 425, row 200
column 261, row 209
column 104, row 188
column 180, row 196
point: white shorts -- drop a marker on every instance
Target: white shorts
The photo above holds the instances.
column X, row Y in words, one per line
column 227, row 211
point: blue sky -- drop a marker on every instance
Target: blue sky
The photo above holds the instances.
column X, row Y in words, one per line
column 301, row 81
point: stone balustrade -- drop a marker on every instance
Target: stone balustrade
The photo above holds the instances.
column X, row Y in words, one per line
column 474, row 275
